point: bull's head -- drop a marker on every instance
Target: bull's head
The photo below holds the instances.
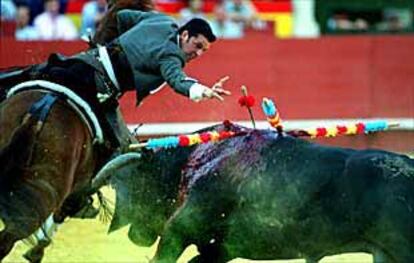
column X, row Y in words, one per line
column 136, row 193
column 145, row 193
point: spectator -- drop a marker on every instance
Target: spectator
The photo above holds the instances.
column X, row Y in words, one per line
column 92, row 13
column 341, row 21
column 37, row 7
column 395, row 20
column 243, row 12
column 194, row 10
column 224, row 27
column 24, row 31
column 8, row 10
column 54, row 26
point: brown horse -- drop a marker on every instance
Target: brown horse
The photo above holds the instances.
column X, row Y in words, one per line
column 47, row 152
column 47, row 168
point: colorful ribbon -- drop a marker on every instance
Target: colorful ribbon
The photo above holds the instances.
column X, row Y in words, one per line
column 350, row 129
column 271, row 113
column 188, row 139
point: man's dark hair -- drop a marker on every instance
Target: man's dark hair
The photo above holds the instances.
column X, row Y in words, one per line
column 198, row 26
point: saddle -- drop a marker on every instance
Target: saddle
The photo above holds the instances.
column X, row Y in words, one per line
column 12, row 76
column 105, row 104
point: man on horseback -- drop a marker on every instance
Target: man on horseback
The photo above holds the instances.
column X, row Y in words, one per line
column 150, row 50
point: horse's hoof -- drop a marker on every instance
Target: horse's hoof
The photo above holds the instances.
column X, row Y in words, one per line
column 2, row 225
column 35, row 255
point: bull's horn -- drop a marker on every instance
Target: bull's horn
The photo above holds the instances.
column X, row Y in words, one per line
column 117, row 163
column 2, row 225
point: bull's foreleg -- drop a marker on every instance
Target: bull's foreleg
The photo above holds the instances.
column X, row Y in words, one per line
column 379, row 257
column 212, row 253
column 201, row 221
column 179, row 232
column 171, row 244
column 311, row 260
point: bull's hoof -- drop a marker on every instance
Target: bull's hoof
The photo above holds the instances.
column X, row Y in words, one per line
column 35, row 255
column 2, row 225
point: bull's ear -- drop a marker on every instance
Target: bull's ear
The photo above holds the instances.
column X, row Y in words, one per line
column 121, row 164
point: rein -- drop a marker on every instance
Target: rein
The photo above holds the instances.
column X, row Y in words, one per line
column 40, row 109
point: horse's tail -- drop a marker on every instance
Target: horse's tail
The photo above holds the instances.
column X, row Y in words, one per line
column 17, row 153
column 106, row 208
column 107, row 29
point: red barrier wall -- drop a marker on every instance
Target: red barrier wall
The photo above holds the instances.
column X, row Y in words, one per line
column 330, row 77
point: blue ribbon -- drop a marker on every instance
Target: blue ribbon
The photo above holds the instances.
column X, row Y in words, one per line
column 268, row 107
column 375, row 126
column 167, row 142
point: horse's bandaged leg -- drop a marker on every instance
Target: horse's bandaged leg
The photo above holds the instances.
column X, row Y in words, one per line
column 47, row 230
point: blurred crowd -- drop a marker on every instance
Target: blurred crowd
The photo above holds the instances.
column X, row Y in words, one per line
column 229, row 19
column 390, row 20
column 48, row 20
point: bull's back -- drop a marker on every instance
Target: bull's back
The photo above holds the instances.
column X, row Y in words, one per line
column 345, row 199
column 286, row 203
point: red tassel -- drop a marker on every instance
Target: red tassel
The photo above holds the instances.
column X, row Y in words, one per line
column 246, row 101
column 360, row 127
column 341, row 129
column 227, row 124
column 183, row 140
column 225, row 134
column 321, row 132
column 205, row 137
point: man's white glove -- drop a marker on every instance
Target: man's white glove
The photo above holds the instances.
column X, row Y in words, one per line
column 199, row 91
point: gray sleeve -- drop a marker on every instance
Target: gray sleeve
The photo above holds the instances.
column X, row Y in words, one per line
column 172, row 71
column 127, row 19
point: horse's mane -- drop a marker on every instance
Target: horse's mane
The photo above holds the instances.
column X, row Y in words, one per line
column 108, row 27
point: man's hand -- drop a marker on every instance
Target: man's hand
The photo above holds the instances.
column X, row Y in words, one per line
column 217, row 90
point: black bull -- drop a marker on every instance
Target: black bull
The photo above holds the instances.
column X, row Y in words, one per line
column 264, row 196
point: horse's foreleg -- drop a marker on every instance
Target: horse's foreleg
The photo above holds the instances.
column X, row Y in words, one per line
column 7, row 241
column 44, row 238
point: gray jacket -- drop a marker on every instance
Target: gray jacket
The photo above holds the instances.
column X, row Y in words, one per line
column 150, row 42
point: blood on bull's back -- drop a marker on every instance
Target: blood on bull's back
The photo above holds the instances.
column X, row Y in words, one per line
column 304, row 200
